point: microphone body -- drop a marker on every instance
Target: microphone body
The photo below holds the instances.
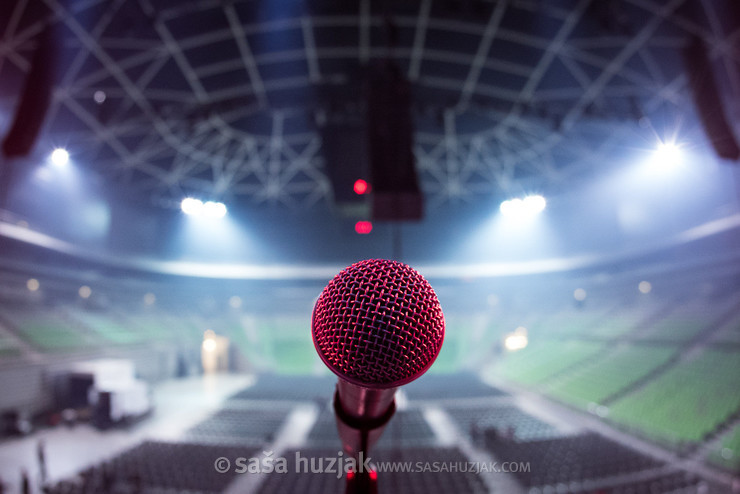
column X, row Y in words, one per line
column 377, row 325
column 361, row 414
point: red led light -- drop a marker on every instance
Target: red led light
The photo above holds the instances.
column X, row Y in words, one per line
column 373, row 475
column 350, row 474
column 361, row 187
column 363, row 227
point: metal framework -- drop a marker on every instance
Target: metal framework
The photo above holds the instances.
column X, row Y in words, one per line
column 219, row 99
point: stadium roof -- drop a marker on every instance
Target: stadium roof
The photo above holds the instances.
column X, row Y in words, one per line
column 226, row 98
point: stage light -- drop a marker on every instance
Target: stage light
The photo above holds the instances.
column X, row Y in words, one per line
column 209, row 341
column 645, row 287
column 510, row 207
column 209, row 345
column 191, row 206
column 516, row 340
column 527, row 207
column 534, row 204
column 197, row 208
column 99, row 97
column 60, row 157
column 579, row 294
column 361, row 187
column 667, row 155
column 84, row 291
column 32, row 284
column 150, row 299
column 363, row 227
column 214, row 210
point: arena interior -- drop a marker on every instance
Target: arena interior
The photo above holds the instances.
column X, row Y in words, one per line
column 180, row 181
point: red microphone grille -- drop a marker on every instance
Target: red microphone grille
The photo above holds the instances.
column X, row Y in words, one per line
column 378, row 324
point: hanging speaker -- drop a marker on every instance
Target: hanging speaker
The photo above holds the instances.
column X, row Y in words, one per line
column 34, row 101
column 708, row 102
column 396, row 192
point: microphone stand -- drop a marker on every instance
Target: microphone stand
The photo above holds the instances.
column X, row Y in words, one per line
column 360, row 427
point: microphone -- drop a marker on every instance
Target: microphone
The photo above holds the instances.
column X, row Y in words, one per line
column 377, row 325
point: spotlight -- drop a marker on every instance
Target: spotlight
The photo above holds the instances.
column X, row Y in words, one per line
column 213, row 209
column 209, row 209
column 32, row 284
column 645, row 287
column 60, row 157
column 579, row 294
column 534, row 204
column 527, row 207
column 667, row 155
column 191, row 206
column 209, row 345
column 209, row 341
column 516, row 340
column 84, row 291
column 511, row 207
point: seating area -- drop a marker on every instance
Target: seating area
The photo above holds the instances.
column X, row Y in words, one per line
column 161, row 326
column 568, row 459
column 508, row 421
column 295, row 388
column 727, row 453
column 689, row 319
column 618, row 323
column 603, row 378
column 46, row 329
column 440, row 482
column 678, row 482
column 8, row 347
column 685, row 403
column 572, row 322
column 408, row 428
column 728, row 333
column 542, row 360
column 457, row 386
column 239, row 426
column 157, row 467
column 109, row 330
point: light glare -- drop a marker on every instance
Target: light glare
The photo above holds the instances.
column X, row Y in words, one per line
column 60, row 157
column 191, row 206
column 361, row 187
column 534, row 204
column 213, row 209
column 667, row 155
column 209, row 209
column 527, row 207
column 516, row 340
column 363, row 227
column 209, row 345
column 645, row 287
